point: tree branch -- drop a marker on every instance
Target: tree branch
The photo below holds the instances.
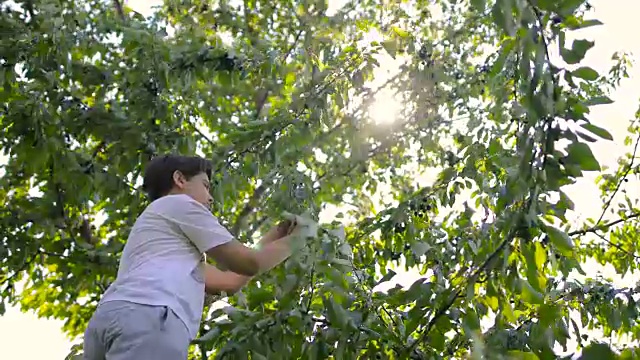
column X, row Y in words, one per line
column 485, row 266
column 248, row 208
column 22, row 268
column 203, row 351
column 620, row 181
column 260, row 190
column 457, row 294
column 596, row 228
column 119, row 9
column 263, row 95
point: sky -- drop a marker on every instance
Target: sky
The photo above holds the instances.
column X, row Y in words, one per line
column 24, row 336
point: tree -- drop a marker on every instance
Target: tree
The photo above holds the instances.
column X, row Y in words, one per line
column 92, row 90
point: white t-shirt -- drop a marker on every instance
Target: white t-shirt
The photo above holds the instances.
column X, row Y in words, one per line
column 162, row 261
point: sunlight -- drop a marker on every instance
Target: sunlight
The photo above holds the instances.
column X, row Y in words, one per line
column 386, row 108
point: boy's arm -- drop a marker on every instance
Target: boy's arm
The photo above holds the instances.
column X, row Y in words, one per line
column 217, row 281
column 270, row 254
column 210, row 237
column 247, row 261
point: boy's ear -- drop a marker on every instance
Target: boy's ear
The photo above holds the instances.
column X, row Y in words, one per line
column 178, row 179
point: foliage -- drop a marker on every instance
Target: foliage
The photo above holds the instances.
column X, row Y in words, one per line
column 90, row 91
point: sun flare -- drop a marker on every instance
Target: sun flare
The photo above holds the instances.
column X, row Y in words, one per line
column 386, row 108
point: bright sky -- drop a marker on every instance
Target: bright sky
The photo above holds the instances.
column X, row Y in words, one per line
column 24, row 336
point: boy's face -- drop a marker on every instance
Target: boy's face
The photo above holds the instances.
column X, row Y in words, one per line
column 197, row 187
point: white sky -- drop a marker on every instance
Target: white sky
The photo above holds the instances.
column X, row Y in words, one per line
column 24, row 336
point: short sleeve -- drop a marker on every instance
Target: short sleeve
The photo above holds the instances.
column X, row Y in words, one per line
column 197, row 222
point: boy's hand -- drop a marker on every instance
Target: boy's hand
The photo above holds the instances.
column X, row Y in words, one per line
column 285, row 227
column 279, row 231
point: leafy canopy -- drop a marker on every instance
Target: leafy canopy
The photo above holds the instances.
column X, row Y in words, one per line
column 278, row 94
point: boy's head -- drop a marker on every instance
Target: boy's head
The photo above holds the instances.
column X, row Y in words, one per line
column 175, row 174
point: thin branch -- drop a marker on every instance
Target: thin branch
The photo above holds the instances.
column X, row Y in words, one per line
column 622, row 179
column 317, row 89
column 485, row 266
column 595, row 229
column 203, row 351
column 22, row 268
column 119, row 10
column 256, row 226
column 312, row 291
column 372, row 153
column 248, row 208
column 538, row 15
column 197, row 129
column 260, row 190
column 579, row 294
column 617, row 246
column 458, row 293
column 30, row 261
column 262, row 97
column 293, row 45
column 370, row 299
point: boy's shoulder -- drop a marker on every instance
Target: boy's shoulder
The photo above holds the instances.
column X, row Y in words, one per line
column 178, row 205
column 173, row 201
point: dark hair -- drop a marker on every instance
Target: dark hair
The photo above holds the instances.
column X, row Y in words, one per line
column 158, row 176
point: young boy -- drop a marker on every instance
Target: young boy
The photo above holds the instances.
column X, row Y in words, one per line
column 154, row 307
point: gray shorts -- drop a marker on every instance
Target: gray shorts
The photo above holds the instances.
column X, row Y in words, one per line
column 121, row 330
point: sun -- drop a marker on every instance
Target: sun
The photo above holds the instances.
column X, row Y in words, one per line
column 386, row 108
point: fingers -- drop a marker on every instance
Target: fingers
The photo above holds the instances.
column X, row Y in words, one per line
column 285, row 224
column 285, row 227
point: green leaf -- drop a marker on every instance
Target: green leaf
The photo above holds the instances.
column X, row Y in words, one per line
column 577, row 52
column 388, row 276
column 336, row 314
column 560, row 239
column 598, row 100
column 391, row 46
column 257, row 356
column 505, row 52
column 290, row 79
column 521, row 355
column 471, row 320
column 603, row 133
column 598, row 351
column 629, row 354
column 586, row 73
column 479, row 5
column 532, row 269
column 568, row 7
column 503, row 16
column 540, row 256
column 358, row 79
column 339, row 261
column 547, row 5
column 585, row 24
column 580, row 154
column 400, row 32
column 420, row 248
column 529, row 294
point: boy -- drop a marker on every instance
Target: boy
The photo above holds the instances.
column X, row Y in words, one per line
column 154, row 307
